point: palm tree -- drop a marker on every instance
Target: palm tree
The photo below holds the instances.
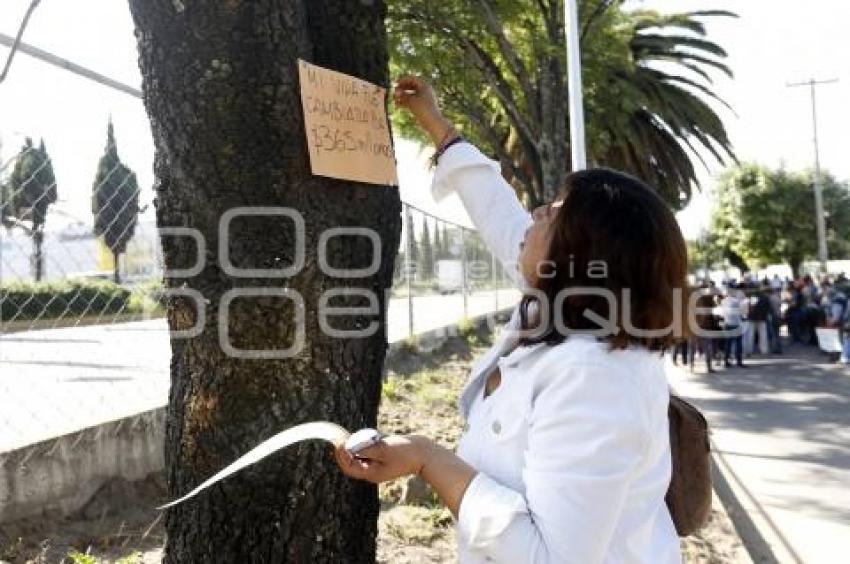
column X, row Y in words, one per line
column 500, row 70
column 675, row 122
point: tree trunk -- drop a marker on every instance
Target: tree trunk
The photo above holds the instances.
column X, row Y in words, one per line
column 116, row 273
column 554, row 136
column 37, row 257
column 221, row 88
column 795, row 263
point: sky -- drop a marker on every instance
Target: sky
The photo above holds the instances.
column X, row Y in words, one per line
column 774, row 42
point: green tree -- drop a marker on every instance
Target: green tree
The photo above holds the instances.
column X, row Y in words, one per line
column 6, row 205
column 499, row 67
column 704, row 253
column 438, row 243
column 767, row 216
column 398, row 268
column 412, row 248
column 220, row 82
column 115, row 201
column 27, row 195
column 426, row 252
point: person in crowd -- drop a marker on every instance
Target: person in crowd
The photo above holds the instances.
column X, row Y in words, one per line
column 732, row 325
column 838, row 313
column 718, row 343
column 680, row 349
column 806, row 312
column 774, row 320
column 835, row 305
column 708, row 326
column 758, row 318
column 743, row 292
column 795, row 313
column 810, row 291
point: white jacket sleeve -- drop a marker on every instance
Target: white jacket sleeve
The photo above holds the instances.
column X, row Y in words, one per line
column 489, row 200
column 587, row 437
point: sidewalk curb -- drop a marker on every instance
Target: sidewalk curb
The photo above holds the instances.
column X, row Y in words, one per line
column 762, row 539
column 757, row 547
column 760, row 535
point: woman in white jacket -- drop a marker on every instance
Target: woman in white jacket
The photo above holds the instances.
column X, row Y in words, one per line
column 565, row 455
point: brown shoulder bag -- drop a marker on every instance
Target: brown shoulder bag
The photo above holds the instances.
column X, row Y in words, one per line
column 689, row 495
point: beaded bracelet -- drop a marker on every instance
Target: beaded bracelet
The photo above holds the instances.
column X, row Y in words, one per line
column 450, row 133
column 439, row 153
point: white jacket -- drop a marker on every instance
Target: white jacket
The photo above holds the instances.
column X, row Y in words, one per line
column 572, row 449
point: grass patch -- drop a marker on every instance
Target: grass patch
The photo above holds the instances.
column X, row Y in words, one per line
column 417, row 525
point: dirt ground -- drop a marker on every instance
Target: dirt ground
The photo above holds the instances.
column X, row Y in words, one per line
column 419, row 395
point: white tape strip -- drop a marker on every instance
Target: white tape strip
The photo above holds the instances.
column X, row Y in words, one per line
column 323, row 430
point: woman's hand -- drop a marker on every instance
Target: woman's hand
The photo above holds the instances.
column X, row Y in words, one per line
column 401, row 455
column 393, row 457
column 418, row 97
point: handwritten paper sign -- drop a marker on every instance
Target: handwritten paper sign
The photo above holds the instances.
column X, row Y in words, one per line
column 346, row 124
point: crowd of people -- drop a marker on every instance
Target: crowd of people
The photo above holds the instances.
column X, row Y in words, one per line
column 745, row 318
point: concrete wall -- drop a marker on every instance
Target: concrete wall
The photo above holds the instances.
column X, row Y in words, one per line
column 60, row 475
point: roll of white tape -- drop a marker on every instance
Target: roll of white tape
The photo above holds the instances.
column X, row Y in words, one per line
column 322, row 430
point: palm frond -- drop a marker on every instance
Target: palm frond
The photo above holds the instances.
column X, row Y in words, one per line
column 674, row 126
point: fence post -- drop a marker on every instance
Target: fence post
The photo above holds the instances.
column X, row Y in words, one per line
column 408, row 267
column 494, row 280
column 463, row 271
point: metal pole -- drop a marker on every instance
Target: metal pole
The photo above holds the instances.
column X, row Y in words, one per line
column 577, row 142
column 69, row 66
column 494, row 280
column 408, row 267
column 463, row 270
column 820, row 221
column 823, row 255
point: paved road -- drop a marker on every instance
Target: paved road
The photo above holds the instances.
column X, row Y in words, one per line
column 783, row 427
column 57, row 381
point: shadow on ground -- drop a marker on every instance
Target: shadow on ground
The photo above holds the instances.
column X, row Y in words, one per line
column 800, row 401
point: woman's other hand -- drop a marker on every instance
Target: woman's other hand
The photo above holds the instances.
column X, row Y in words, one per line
column 418, row 97
column 392, row 457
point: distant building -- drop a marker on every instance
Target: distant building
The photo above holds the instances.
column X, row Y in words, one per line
column 74, row 251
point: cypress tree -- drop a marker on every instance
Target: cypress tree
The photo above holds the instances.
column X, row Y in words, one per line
column 426, row 253
column 115, row 201
column 30, row 191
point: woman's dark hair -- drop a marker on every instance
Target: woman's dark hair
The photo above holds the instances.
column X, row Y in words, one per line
column 612, row 233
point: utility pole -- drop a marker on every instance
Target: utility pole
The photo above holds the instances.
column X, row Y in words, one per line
column 823, row 256
column 52, row 59
column 577, row 142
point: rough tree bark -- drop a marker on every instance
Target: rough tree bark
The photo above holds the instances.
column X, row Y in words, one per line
column 221, row 90
column 553, row 147
column 37, row 255
column 116, row 268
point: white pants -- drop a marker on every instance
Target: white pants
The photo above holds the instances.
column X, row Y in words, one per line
column 746, row 337
column 759, row 327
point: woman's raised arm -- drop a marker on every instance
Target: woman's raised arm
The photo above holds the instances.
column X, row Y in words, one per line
column 489, row 200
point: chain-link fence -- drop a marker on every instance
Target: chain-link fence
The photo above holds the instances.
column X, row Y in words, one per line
column 442, row 260
column 78, row 296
